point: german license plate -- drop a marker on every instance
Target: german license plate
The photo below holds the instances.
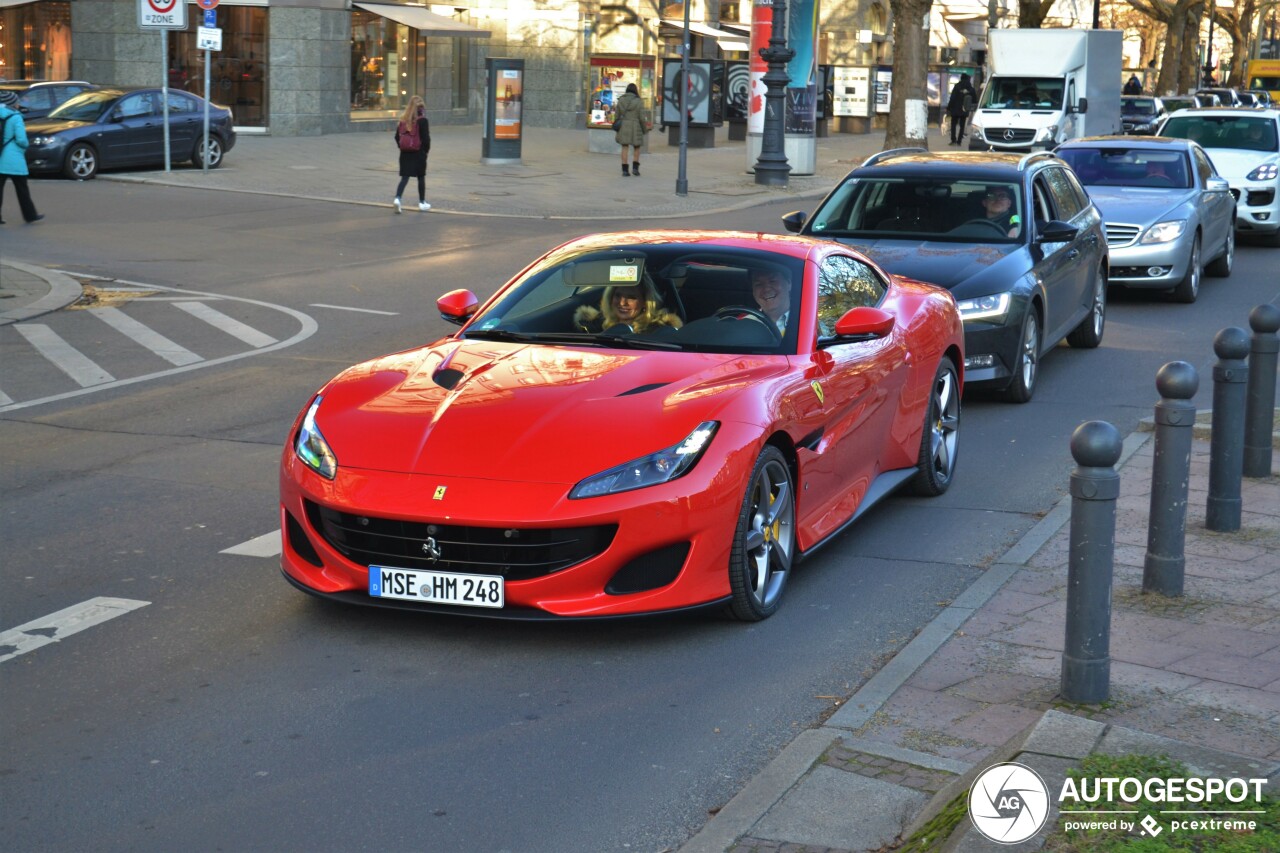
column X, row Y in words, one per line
column 437, row 587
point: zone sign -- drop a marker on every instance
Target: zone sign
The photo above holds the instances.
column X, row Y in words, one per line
column 162, row 14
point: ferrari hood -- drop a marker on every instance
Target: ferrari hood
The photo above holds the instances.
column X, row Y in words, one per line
column 1138, row 205
column 504, row 411
column 966, row 269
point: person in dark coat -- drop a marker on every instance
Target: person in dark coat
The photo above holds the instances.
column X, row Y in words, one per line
column 413, row 161
column 13, row 157
column 959, row 105
column 631, row 130
column 1133, row 87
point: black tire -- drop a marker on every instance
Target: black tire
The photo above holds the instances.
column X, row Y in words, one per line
column 936, row 464
column 1188, row 290
column 1089, row 333
column 1222, row 265
column 764, row 541
column 215, row 153
column 81, row 163
column 1026, row 365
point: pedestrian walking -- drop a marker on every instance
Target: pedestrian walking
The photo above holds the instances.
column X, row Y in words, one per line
column 1133, row 87
column 13, row 155
column 959, row 106
column 413, row 136
column 631, row 128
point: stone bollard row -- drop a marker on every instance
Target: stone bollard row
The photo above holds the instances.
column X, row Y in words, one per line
column 1164, row 566
column 1226, row 441
column 1260, row 402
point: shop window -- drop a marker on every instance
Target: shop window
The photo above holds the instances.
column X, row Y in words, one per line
column 237, row 73
column 35, row 41
column 384, row 65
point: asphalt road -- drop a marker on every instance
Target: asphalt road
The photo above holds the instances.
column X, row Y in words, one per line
column 234, row 713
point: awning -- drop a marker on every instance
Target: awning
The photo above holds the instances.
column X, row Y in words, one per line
column 708, row 31
column 7, row 3
column 423, row 20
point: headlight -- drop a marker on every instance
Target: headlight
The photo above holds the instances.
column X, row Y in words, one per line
column 1265, row 172
column 660, row 467
column 1163, row 232
column 43, row 140
column 311, row 447
column 1047, row 133
column 993, row 307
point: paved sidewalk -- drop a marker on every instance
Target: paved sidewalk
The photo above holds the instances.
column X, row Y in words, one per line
column 1196, row 678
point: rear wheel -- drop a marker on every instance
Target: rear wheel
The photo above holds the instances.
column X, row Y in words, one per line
column 214, row 149
column 1089, row 333
column 1188, row 290
column 936, row 464
column 1026, row 367
column 81, row 163
column 1221, row 266
column 765, row 539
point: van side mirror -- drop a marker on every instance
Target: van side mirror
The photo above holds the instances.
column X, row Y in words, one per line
column 1082, row 105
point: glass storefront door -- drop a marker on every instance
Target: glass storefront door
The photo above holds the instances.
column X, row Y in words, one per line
column 237, row 73
column 385, row 65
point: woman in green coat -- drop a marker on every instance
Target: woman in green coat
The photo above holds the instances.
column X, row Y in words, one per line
column 631, row 128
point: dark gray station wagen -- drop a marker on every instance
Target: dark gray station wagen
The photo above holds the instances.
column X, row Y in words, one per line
column 1015, row 238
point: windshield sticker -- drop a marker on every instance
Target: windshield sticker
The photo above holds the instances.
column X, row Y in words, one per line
column 628, row 272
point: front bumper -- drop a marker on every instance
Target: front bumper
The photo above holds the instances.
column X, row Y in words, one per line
column 1257, row 206
column 1136, row 264
column 678, row 534
column 991, row 349
column 42, row 159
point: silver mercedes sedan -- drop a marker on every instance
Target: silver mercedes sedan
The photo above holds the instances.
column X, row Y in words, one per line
column 1167, row 213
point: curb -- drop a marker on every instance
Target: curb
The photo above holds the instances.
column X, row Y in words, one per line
column 63, row 290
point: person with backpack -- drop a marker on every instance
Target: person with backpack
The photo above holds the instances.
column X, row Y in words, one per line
column 959, row 106
column 413, row 136
column 13, row 155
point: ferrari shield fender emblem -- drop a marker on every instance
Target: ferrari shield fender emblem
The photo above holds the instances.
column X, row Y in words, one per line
column 817, row 390
column 439, row 495
column 430, row 549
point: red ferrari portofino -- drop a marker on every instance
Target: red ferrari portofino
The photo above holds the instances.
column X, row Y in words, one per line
column 637, row 422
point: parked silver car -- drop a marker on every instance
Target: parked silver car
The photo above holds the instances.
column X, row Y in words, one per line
column 1166, row 211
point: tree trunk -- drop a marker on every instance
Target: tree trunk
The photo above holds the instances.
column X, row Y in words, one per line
column 909, row 107
column 1189, row 71
column 1169, row 82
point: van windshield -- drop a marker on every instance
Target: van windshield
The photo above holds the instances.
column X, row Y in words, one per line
column 1023, row 93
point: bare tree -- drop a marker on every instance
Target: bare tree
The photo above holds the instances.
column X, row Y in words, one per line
column 1178, row 71
column 909, row 108
column 1031, row 13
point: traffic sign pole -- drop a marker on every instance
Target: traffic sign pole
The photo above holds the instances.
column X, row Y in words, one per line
column 210, row 20
column 164, row 92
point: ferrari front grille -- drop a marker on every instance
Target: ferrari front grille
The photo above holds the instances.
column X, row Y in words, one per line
column 1121, row 235
column 516, row 553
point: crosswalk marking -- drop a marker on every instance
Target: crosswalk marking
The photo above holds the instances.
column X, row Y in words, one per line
column 266, row 545
column 147, row 337
column 230, row 325
column 68, row 359
column 5, row 399
column 64, row 623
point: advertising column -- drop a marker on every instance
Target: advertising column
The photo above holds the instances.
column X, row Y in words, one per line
column 503, row 97
column 801, row 93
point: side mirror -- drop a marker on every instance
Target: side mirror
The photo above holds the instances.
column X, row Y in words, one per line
column 794, row 221
column 1217, row 185
column 1056, row 231
column 861, row 324
column 1082, row 106
column 457, row 306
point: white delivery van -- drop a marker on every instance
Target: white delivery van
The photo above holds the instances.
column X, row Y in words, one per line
column 1048, row 86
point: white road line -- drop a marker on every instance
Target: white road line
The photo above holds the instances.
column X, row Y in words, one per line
column 5, row 399
column 145, row 336
column 348, row 308
column 64, row 623
column 69, row 359
column 266, row 545
column 230, row 325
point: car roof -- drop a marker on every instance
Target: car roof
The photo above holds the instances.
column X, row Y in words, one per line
column 1128, row 142
column 31, row 84
column 979, row 165
column 1269, row 112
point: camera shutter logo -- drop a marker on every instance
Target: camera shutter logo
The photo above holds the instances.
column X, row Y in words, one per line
column 1008, row 803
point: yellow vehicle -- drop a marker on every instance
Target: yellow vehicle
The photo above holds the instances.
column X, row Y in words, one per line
column 1264, row 74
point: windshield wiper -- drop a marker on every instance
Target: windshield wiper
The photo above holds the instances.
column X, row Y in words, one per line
column 584, row 338
column 637, row 343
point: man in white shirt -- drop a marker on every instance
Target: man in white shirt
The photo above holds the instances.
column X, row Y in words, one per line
column 772, row 291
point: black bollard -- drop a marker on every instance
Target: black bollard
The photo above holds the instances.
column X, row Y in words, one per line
column 1260, row 399
column 1165, row 564
column 1226, row 442
column 1095, row 485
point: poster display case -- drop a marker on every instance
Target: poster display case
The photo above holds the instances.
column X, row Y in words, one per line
column 705, row 92
column 609, row 76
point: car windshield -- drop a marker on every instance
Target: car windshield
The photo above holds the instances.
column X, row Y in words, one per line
column 86, row 106
column 1128, row 167
column 1225, row 131
column 1023, row 93
column 662, row 297
column 1138, row 106
column 961, row 210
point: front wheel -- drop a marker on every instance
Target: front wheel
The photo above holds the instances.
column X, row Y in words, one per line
column 1026, row 366
column 1089, row 333
column 214, row 149
column 936, row 464
column 764, row 542
column 81, row 163
column 1188, row 290
column 1221, row 266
